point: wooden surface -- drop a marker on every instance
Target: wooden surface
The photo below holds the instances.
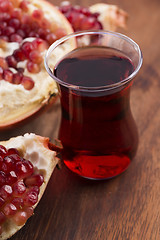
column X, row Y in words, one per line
column 126, row 207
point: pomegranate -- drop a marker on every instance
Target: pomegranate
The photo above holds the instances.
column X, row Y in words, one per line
column 26, row 164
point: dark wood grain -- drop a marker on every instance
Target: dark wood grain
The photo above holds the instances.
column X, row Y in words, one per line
column 126, row 207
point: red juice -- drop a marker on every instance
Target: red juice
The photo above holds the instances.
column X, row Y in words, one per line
column 97, row 129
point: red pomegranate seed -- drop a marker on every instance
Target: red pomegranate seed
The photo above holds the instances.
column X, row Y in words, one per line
column 4, row 16
column 18, row 202
column 20, row 70
column 1, row 161
column 19, row 55
column 2, row 217
column 3, row 25
column 33, row 67
column 11, row 178
column 2, row 178
column 9, row 209
column 8, row 75
column 37, row 14
column 21, row 170
column 33, row 34
column 11, row 61
column 50, row 38
column 24, row 5
column 26, row 48
column 3, row 63
column 15, row 157
column 8, row 164
column 19, row 188
column 8, row 31
column 60, row 32
column 29, row 167
column 17, row 13
column 21, row 33
column 12, row 151
column 1, row 73
column 34, row 180
column 4, row 38
column 2, row 202
column 43, row 32
column 6, row 6
column 17, row 78
column 45, row 23
column 3, row 151
column 29, row 211
column 5, row 191
column 27, row 83
column 40, row 44
column 30, row 198
column 20, row 218
column 14, row 22
column 16, row 38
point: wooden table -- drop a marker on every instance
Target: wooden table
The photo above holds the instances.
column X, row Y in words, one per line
column 126, row 207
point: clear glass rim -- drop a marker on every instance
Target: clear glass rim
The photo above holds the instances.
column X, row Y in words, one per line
column 101, row 88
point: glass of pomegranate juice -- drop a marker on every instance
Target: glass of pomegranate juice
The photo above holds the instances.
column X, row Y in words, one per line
column 94, row 71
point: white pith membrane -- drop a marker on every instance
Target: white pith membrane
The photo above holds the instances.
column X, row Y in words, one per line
column 35, row 149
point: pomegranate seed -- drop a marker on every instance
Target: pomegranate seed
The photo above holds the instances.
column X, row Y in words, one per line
column 33, row 34
column 27, row 47
column 3, row 151
column 33, row 67
column 11, row 178
column 17, row 78
column 19, row 55
column 60, row 32
column 45, row 23
column 1, row 161
column 4, row 16
column 2, row 202
column 9, row 209
column 5, row 6
column 43, row 32
column 16, row 38
column 29, row 167
column 50, row 38
column 12, row 151
column 5, row 191
column 1, row 73
column 18, row 202
column 3, row 25
column 8, row 75
column 2, row 178
column 8, row 31
column 2, row 217
column 27, row 83
column 8, row 164
column 40, row 44
column 17, row 13
column 4, row 38
column 20, row 70
column 37, row 14
column 11, row 61
column 14, row 22
column 19, row 188
column 21, row 33
column 30, row 198
column 34, row 180
column 20, row 218
column 24, row 5
column 15, row 157
column 3, row 63
column 21, row 170
column 29, row 211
